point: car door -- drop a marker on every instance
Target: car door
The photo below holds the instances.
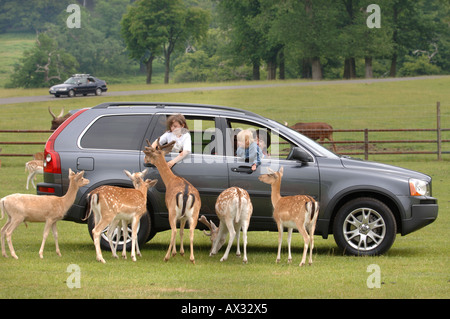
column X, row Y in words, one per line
column 205, row 168
column 298, row 178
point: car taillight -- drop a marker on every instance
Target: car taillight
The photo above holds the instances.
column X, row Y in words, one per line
column 52, row 162
column 44, row 189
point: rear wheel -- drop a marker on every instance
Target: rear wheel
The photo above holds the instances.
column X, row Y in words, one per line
column 364, row 226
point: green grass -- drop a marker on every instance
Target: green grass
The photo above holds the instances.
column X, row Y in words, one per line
column 417, row 266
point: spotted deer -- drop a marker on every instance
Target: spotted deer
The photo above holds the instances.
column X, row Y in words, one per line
column 33, row 167
column 234, row 209
column 110, row 203
column 299, row 212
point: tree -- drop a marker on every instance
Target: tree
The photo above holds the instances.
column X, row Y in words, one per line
column 43, row 65
column 154, row 27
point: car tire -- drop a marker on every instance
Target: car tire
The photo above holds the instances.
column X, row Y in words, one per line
column 98, row 91
column 364, row 227
column 71, row 93
column 142, row 235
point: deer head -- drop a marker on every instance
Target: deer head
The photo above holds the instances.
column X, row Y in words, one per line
column 153, row 154
column 58, row 120
column 213, row 235
column 272, row 177
column 136, row 178
column 78, row 178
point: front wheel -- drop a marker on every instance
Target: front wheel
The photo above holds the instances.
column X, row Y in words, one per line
column 364, row 226
column 142, row 234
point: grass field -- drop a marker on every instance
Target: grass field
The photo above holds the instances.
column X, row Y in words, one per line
column 417, row 266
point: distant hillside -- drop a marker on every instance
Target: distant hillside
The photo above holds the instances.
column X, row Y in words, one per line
column 12, row 45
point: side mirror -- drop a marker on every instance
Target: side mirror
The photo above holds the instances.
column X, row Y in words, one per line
column 301, row 155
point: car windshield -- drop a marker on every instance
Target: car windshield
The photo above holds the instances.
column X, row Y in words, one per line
column 313, row 146
column 72, row 81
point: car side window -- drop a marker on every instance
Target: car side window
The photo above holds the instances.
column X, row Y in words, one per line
column 270, row 142
column 202, row 129
column 118, row 132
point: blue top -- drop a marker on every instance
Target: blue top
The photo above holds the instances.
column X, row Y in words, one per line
column 253, row 153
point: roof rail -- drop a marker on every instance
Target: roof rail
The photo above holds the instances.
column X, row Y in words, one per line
column 169, row 104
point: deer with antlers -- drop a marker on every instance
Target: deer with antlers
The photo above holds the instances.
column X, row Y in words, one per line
column 182, row 199
column 234, row 209
column 299, row 212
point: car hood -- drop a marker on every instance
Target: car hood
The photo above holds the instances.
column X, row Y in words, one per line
column 60, row 86
column 353, row 163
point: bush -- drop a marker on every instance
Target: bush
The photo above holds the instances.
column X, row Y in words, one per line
column 421, row 65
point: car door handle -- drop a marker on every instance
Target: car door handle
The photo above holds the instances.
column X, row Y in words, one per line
column 242, row 169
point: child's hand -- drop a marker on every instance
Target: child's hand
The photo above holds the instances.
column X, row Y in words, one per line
column 171, row 163
column 254, row 167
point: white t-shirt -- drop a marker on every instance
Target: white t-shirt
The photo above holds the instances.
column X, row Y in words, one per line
column 182, row 142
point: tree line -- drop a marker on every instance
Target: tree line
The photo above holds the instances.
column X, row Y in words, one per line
column 220, row 40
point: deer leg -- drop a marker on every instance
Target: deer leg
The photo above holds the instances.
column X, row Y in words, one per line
column 306, row 238
column 96, row 232
column 182, row 224
column 112, row 228
column 55, row 236
column 244, row 236
column 280, row 239
column 232, row 232
column 238, row 234
column 289, row 245
column 3, row 234
column 123, row 229
column 47, row 226
column 311, row 235
column 192, row 225
column 173, row 226
column 11, row 227
column 134, row 227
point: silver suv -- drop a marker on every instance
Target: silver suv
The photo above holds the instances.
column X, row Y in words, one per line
column 363, row 204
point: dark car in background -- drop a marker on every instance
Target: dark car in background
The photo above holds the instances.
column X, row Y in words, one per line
column 363, row 204
column 79, row 84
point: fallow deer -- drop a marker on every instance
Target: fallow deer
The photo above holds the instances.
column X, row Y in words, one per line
column 315, row 131
column 299, row 212
column 111, row 202
column 33, row 167
column 33, row 208
column 182, row 199
column 234, row 209
column 58, row 120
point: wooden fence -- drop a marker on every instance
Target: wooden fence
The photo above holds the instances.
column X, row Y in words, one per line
column 365, row 146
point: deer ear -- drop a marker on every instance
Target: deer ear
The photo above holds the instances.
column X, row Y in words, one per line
column 71, row 173
column 281, row 170
column 128, row 173
column 151, row 182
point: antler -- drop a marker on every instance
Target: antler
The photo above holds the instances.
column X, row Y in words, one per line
column 204, row 221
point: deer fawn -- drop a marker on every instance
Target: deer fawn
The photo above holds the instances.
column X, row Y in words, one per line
column 299, row 212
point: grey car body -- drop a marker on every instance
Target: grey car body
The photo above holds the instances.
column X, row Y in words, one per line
column 363, row 203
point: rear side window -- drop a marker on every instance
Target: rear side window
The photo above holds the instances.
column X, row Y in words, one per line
column 118, row 132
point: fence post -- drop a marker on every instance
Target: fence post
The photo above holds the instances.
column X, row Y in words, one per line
column 366, row 144
column 438, row 129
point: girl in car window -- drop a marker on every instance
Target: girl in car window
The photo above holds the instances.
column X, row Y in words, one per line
column 248, row 149
column 178, row 131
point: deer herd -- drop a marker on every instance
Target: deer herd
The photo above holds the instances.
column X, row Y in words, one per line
column 116, row 207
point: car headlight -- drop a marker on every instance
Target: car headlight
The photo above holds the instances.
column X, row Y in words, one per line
column 418, row 187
